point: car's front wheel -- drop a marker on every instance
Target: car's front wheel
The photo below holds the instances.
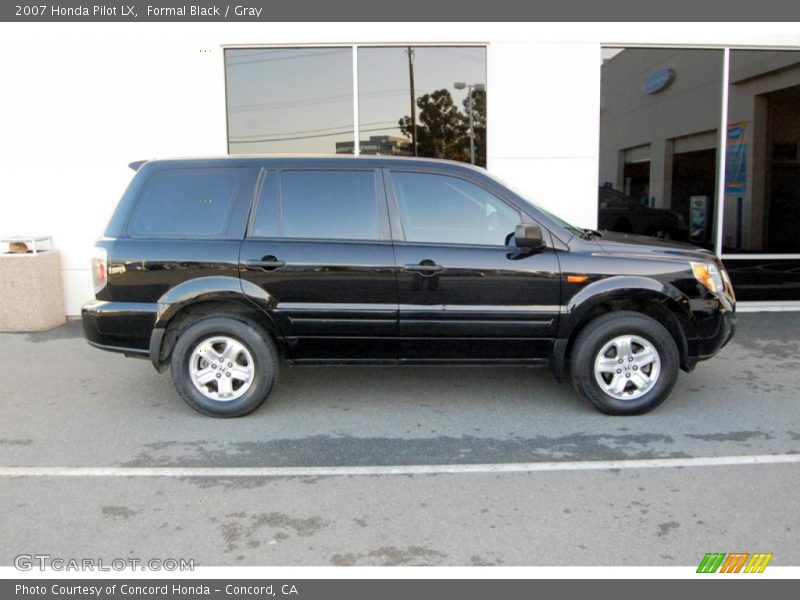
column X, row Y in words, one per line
column 624, row 363
column 223, row 367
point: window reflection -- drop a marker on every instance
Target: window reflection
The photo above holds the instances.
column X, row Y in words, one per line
column 762, row 179
column 289, row 100
column 413, row 101
column 439, row 209
column 182, row 203
column 417, row 101
column 343, row 205
column 659, row 122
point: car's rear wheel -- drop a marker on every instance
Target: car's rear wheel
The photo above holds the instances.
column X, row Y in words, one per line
column 224, row 367
column 624, row 363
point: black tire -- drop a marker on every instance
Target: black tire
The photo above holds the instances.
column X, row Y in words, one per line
column 622, row 226
column 260, row 349
column 602, row 331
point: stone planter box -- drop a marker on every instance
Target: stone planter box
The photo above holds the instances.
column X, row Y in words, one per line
column 31, row 291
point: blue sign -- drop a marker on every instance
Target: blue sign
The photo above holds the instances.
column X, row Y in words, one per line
column 658, row 81
column 736, row 159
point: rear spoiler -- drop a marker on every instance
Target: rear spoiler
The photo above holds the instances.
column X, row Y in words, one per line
column 136, row 165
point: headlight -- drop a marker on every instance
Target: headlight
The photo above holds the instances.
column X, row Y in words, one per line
column 708, row 274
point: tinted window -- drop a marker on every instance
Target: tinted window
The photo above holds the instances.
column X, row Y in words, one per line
column 443, row 209
column 289, row 100
column 659, row 138
column 187, row 203
column 762, row 173
column 267, row 221
column 418, row 101
column 329, row 205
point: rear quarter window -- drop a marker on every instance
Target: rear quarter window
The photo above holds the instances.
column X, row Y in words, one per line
column 187, row 203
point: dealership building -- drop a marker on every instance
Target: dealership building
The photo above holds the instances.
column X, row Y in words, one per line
column 697, row 119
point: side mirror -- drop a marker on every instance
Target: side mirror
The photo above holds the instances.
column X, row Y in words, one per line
column 529, row 235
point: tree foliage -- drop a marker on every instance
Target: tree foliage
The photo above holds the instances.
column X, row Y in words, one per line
column 443, row 128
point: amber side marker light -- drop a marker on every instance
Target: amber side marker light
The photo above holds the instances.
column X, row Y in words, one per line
column 577, row 278
column 708, row 274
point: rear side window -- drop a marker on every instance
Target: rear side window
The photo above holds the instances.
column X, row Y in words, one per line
column 329, row 205
column 183, row 203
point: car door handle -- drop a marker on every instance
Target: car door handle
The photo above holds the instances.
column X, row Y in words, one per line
column 266, row 263
column 426, row 267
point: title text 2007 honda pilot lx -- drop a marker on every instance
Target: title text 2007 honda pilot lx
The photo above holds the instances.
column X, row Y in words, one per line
column 216, row 268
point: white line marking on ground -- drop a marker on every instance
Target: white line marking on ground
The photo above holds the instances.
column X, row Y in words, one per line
column 598, row 465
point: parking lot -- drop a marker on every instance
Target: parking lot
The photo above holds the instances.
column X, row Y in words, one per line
column 68, row 405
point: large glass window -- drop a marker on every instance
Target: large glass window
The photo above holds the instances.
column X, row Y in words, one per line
column 423, row 101
column 187, row 203
column 412, row 101
column 442, row 209
column 289, row 100
column 762, row 179
column 659, row 123
column 660, row 144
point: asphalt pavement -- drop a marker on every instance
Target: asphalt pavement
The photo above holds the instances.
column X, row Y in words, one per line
column 66, row 404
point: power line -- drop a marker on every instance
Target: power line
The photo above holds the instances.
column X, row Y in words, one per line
column 303, row 102
column 455, row 52
column 308, row 137
column 319, row 130
column 314, row 101
column 301, row 54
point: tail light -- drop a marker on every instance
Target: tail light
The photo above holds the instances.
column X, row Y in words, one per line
column 99, row 269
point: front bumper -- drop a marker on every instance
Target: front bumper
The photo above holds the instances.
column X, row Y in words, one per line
column 714, row 333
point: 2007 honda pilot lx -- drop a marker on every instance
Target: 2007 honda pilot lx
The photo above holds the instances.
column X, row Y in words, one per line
column 216, row 268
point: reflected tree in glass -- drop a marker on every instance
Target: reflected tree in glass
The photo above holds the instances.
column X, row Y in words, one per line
column 441, row 109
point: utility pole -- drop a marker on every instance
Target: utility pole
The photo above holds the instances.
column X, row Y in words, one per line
column 475, row 87
column 471, row 129
column 410, row 53
column 441, row 104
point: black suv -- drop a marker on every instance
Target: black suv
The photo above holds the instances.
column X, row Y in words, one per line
column 618, row 212
column 219, row 268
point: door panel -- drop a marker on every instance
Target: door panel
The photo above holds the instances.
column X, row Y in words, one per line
column 464, row 293
column 485, row 303
column 327, row 292
column 335, row 298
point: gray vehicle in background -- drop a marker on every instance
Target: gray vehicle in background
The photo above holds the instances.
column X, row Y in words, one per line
column 620, row 212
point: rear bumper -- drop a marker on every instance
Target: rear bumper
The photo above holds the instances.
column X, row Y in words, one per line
column 119, row 326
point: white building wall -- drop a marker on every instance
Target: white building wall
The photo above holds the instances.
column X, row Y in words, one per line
column 79, row 104
column 542, row 124
column 81, row 101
